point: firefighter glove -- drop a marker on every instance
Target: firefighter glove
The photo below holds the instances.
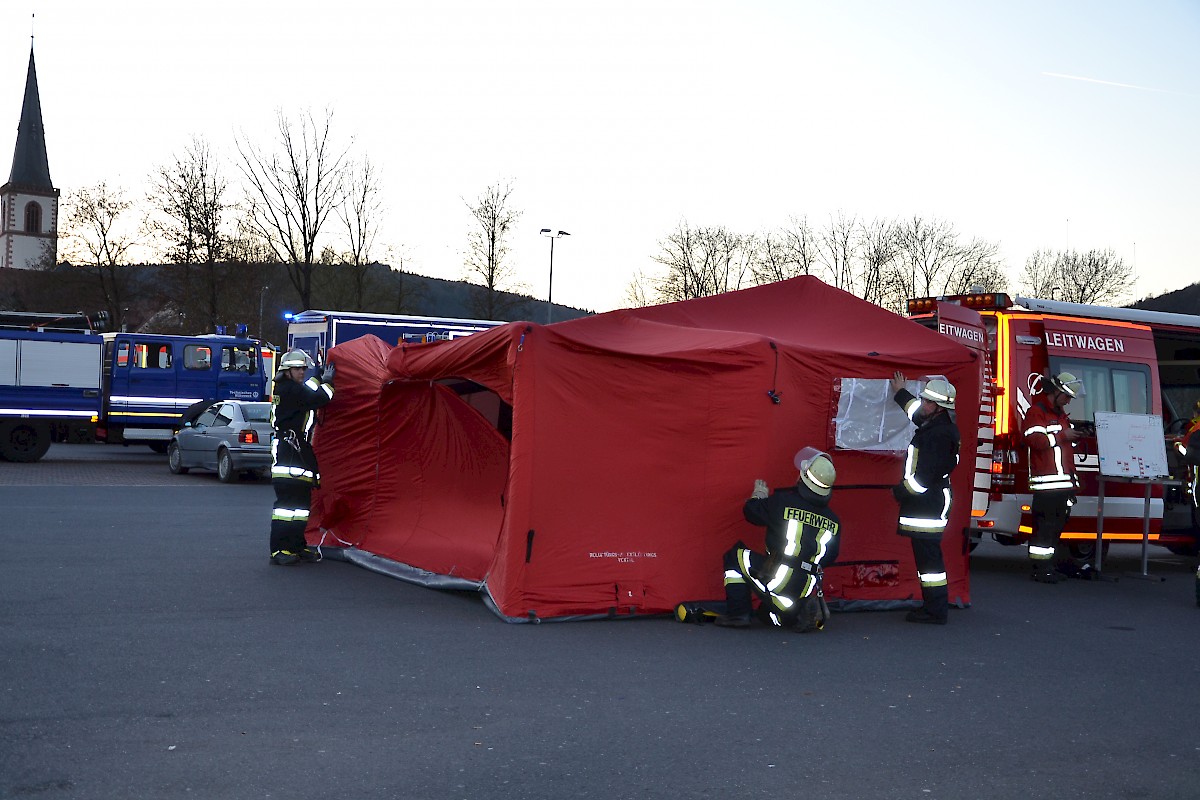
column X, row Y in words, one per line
column 760, row 490
column 327, row 374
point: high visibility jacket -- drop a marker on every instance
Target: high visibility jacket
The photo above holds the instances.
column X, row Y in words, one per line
column 293, row 414
column 802, row 536
column 1051, row 456
column 924, row 493
column 1191, row 443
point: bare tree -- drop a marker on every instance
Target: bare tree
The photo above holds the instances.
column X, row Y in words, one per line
column 360, row 214
column 1039, row 278
column 189, row 195
column 976, row 266
column 639, row 291
column 932, row 261
column 1096, row 276
column 702, row 261
column 878, row 250
column 838, row 245
column 487, row 250
column 98, row 239
column 786, row 253
column 292, row 192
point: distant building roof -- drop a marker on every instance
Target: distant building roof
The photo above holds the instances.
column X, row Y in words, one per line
column 30, row 167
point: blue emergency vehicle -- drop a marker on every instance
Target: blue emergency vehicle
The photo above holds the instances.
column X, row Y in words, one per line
column 315, row 332
column 63, row 380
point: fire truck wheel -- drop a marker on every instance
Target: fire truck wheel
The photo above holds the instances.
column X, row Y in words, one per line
column 1086, row 549
column 23, row 441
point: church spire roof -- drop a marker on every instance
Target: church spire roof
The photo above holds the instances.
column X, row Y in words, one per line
column 30, row 167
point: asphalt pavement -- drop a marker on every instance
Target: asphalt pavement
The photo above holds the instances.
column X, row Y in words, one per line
column 148, row 650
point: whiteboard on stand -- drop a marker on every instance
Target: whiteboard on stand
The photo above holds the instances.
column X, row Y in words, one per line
column 1131, row 445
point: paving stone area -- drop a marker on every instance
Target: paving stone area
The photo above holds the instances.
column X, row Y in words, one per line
column 99, row 465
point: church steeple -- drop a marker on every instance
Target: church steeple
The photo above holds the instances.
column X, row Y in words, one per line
column 29, row 201
column 31, row 167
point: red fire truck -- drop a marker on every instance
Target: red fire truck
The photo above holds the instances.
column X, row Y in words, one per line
column 1131, row 361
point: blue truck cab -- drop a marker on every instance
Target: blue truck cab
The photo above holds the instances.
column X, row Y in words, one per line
column 152, row 379
column 316, row 331
column 61, row 380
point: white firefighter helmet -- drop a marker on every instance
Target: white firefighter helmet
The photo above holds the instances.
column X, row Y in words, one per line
column 1068, row 384
column 940, row 391
column 816, row 470
column 296, row 358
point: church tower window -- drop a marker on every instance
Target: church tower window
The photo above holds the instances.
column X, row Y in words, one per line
column 33, row 218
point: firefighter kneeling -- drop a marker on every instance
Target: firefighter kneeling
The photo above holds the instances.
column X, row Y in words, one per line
column 293, row 463
column 802, row 536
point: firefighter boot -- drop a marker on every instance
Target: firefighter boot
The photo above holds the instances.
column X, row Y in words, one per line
column 284, row 558
column 812, row 615
column 732, row 621
column 309, row 555
column 1043, row 574
column 936, row 609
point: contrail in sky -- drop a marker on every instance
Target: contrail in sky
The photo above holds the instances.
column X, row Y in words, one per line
column 1114, row 83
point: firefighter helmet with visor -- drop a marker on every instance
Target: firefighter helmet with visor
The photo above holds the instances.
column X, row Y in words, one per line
column 816, row 470
column 939, row 391
column 1068, row 384
column 296, row 358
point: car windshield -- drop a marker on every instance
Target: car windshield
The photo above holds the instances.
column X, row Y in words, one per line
column 256, row 412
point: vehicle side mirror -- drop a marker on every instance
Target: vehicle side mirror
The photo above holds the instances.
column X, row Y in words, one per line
column 187, row 424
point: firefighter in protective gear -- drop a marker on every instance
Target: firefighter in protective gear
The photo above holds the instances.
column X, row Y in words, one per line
column 924, row 492
column 1052, row 480
column 802, row 536
column 1189, row 449
column 293, row 464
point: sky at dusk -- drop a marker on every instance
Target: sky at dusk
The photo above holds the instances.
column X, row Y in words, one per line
column 1031, row 124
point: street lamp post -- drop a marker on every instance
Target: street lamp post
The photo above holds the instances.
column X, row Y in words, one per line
column 550, row 286
column 261, row 296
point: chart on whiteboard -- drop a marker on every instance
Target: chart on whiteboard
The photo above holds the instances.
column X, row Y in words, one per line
column 1131, row 445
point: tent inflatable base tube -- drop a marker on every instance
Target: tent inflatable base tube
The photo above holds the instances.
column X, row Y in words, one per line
column 433, row 580
column 534, row 619
column 395, row 569
column 884, row 605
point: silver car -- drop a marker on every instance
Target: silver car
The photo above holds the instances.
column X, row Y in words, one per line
column 230, row 436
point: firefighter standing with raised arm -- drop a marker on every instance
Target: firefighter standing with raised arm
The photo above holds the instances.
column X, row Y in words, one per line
column 802, row 536
column 924, row 493
column 1052, row 480
column 293, row 463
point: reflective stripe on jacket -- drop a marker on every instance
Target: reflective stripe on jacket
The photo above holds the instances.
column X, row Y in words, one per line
column 1051, row 456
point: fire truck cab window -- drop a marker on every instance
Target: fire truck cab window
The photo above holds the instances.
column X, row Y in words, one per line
column 152, row 355
column 197, row 357
column 123, row 354
column 239, row 359
column 1108, row 386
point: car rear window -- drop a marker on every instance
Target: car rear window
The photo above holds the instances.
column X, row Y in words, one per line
column 257, row 412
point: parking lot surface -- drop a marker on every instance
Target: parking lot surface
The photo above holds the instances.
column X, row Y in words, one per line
column 148, row 650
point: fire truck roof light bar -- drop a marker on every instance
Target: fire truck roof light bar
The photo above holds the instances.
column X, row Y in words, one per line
column 1105, row 312
column 980, row 301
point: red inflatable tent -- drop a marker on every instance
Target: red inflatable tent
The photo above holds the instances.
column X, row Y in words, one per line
column 598, row 467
